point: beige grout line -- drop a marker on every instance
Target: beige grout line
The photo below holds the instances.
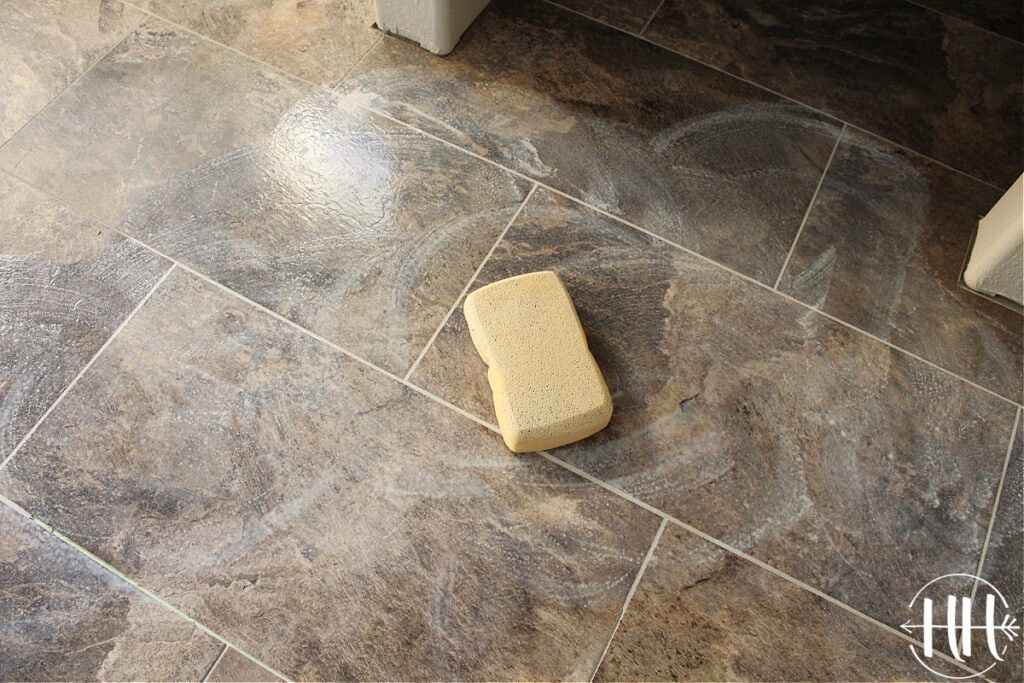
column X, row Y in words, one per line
column 810, row 207
column 63, row 90
column 965, row 21
column 629, row 596
column 223, row 651
column 469, row 284
column 86, row 367
column 323, row 340
column 351, row 69
column 735, row 551
column 647, row 24
column 995, row 504
column 127, row 579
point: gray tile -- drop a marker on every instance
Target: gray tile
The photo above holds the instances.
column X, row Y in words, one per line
column 46, row 44
column 318, row 40
column 160, row 103
column 703, row 614
column 853, row 467
column 67, row 285
column 64, row 618
column 629, row 15
column 883, row 248
column 355, row 227
column 326, row 519
column 686, row 152
column 937, row 85
column 1004, row 565
column 236, row 667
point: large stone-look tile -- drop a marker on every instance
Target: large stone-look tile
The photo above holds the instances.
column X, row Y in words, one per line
column 934, row 84
column 67, row 285
column 851, row 466
column 883, row 248
column 160, row 103
column 64, row 618
column 46, row 44
column 629, row 15
column 318, row 40
column 355, row 227
column 698, row 157
column 328, row 520
column 234, row 666
column 1004, row 563
column 703, row 614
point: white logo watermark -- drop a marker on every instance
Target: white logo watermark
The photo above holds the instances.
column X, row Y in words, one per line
column 995, row 634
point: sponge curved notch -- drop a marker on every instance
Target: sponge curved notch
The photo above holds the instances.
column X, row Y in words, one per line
column 548, row 390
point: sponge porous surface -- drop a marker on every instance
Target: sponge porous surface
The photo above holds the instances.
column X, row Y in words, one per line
column 548, row 390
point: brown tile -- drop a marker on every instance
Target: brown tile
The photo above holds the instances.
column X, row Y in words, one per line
column 328, row 520
column 1004, row 18
column 65, row 618
column 883, row 248
column 629, row 15
column 46, row 44
column 701, row 613
column 939, row 86
column 160, row 103
column 235, row 667
column 1004, row 566
column 318, row 40
column 355, row 227
column 679, row 149
column 67, row 285
column 853, row 467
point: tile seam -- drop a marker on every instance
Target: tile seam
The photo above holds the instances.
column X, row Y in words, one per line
column 967, row 22
column 85, row 368
column 54, row 532
column 776, row 93
column 223, row 651
column 739, row 553
column 629, row 596
column 358, row 61
column 469, row 283
column 995, row 504
column 313, row 335
column 647, row 24
column 810, row 207
column 80, row 76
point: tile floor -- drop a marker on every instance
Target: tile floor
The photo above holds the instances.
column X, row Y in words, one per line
column 244, row 433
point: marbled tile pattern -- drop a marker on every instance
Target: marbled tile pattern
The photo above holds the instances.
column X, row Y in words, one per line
column 690, row 154
column 64, row 618
column 318, row 40
column 999, row 16
column 936, row 85
column 234, row 667
column 160, row 103
column 47, row 44
column 764, row 424
column 1004, row 562
column 357, row 228
column 703, row 614
column 328, row 520
column 883, row 248
column 629, row 15
column 67, row 284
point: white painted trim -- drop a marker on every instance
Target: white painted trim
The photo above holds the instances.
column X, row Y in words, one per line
column 996, row 265
column 436, row 25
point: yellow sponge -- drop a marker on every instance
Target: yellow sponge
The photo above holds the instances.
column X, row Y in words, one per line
column 548, row 390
